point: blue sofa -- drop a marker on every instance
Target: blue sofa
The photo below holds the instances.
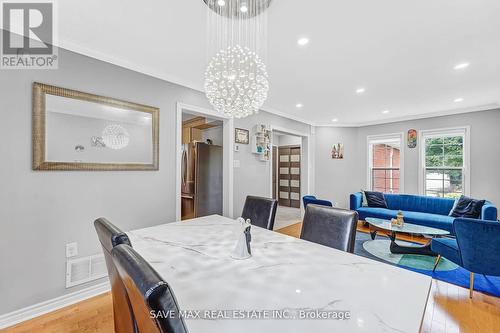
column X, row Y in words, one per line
column 421, row 210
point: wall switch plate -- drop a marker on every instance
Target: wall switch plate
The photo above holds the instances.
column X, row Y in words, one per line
column 236, row 163
column 71, row 250
column 236, row 148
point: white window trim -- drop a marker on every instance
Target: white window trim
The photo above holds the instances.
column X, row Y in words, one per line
column 370, row 140
column 462, row 130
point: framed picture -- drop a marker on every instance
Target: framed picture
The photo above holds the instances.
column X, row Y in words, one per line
column 241, row 136
column 338, row 151
column 412, row 138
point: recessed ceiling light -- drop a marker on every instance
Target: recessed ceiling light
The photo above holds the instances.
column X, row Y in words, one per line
column 303, row 41
column 299, row 105
column 462, row 65
column 360, row 91
column 458, row 100
column 385, row 111
column 221, row 3
column 335, row 120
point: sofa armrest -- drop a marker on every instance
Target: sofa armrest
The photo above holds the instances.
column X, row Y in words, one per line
column 356, row 200
column 489, row 212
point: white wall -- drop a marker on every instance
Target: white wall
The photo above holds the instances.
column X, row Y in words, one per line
column 336, row 179
column 215, row 134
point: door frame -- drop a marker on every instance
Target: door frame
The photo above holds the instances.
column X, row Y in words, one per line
column 227, row 159
column 306, row 154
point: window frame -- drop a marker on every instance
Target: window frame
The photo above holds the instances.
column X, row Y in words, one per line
column 383, row 138
column 440, row 132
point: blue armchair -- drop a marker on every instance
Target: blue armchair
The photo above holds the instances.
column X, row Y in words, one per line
column 475, row 248
column 311, row 199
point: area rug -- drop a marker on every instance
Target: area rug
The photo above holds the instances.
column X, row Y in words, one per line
column 447, row 271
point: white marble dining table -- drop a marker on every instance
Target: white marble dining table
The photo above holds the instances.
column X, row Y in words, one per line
column 287, row 285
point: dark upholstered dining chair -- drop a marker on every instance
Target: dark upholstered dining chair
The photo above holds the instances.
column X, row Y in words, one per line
column 261, row 211
column 329, row 226
column 153, row 301
column 110, row 236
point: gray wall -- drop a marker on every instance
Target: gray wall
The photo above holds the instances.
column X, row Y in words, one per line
column 253, row 176
column 336, row 179
column 42, row 211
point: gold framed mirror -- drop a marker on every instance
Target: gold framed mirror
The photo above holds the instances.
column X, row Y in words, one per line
column 73, row 130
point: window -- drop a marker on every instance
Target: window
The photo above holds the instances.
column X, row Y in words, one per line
column 445, row 162
column 384, row 163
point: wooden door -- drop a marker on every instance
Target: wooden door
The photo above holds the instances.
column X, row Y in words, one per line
column 289, row 176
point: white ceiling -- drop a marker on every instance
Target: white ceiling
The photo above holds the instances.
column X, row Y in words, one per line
column 402, row 52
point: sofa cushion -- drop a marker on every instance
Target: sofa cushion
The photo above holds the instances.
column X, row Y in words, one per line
column 429, row 220
column 418, row 203
column 447, row 248
column 442, row 222
column 381, row 213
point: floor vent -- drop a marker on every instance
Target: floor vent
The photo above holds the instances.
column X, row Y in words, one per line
column 82, row 270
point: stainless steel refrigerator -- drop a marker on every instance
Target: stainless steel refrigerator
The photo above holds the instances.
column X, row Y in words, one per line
column 201, row 183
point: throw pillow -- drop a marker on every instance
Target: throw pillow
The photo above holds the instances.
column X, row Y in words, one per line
column 453, row 208
column 468, row 207
column 364, row 201
column 375, row 199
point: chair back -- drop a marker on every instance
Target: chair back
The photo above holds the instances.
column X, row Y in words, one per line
column 153, row 301
column 110, row 236
column 479, row 245
column 331, row 227
column 311, row 199
column 261, row 211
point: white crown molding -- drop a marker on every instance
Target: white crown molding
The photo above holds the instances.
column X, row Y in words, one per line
column 479, row 108
column 32, row 311
column 77, row 48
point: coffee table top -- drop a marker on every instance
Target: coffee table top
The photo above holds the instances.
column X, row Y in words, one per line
column 406, row 228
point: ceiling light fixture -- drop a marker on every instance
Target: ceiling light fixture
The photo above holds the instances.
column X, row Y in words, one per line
column 458, row 100
column 236, row 79
column 360, row 91
column 385, row 111
column 462, row 65
column 303, row 41
column 299, row 105
column 335, row 120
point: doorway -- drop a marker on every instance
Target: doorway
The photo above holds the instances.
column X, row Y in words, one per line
column 204, row 173
column 287, row 177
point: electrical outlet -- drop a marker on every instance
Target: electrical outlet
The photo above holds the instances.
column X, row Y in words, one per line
column 71, row 250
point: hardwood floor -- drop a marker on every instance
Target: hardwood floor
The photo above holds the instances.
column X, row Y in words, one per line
column 449, row 310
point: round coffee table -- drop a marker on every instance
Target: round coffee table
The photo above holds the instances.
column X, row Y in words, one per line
column 377, row 224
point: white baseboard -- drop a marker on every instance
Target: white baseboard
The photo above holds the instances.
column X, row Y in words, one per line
column 57, row 303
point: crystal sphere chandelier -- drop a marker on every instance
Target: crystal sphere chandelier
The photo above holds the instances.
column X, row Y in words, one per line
column 236, row 79
column 115, row 136
column 236, row 82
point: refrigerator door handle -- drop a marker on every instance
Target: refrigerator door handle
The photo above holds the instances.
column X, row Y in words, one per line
column 184, row 167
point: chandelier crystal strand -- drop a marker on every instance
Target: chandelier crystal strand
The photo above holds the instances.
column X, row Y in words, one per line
column 236, row 79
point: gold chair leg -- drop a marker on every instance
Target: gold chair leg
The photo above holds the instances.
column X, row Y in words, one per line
column 471, row 289
column 437, row 262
